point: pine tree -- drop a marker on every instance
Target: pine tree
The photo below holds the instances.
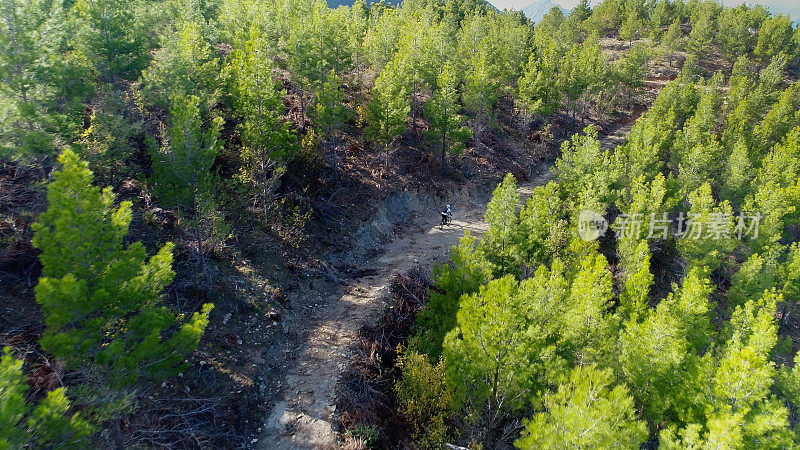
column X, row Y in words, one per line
column 466, row 272
column 184, row 65
column 100, row 298
column 587, row 329
column 267, row 141
column 492, row 357
column 630, row 29
column 538, row 232
column 738, row 173
column 42, row 85
column 537, row 91
column 581, row 11
column 586, row 412
column 329, row 113
column 498, row 243
column 424, row 398
column 583, row 165
column 46, row 425
column 582, row 71
column 442, row 113
column 481, row 89
column 108, row 35
column 660, row 16
column 637, row 281
column 734, row 393
column 316, row 45
column 704, row 28
column 388, row 110
column 672, row 40
column 633, row 68
column 182, row 172
column 755, row 275
column 708, row 233
column 734, row 34
column 656, row 349
column 775, row 36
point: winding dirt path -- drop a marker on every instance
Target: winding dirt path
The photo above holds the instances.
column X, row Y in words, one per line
column 302, row 416
column 323, row 326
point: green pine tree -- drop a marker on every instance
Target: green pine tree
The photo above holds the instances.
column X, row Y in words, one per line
column 267, row 141
column 499, row 241
column 100, row 298
column 48, row 425
column 387, row 113
column 442, row 113
column 586, row 412
column 182, row 172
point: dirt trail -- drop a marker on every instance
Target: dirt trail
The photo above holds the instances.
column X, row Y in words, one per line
column 323, row 330
column 302, row 417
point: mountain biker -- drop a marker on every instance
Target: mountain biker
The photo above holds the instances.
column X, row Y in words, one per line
column 446, row 215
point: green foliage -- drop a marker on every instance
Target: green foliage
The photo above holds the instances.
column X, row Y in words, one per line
column 637, row 281
column 704, row 28
column 481, row 89
column 642, row 204
column 709, row 231
column 424, row 398
column 466, row 272
column 586, row 412
column 109, row 142
column 100, row 298
column 775, row 36
column 631, row 28
column 498, row 243
column 329, row 113
column 442, row 113
column 672, row 40
column 389, row 108
column 182, row 171
column 734, row 34
column 41, row 85
column 537, row 89
column 655, row 353
column 583, row 166
column 739, row 410
column 47, row 425
column 183, row 66
column 587, row 330
column 267, row 141
column 491, row 356
column 755, row 275
column 541, row 229
column 109, row 36
column 738, row 173
column 632, row 69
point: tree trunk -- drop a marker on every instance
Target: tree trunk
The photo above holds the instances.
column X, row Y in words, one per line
column 444, row 152
column 266, row 195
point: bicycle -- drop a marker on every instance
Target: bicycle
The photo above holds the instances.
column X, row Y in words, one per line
column 446, row 219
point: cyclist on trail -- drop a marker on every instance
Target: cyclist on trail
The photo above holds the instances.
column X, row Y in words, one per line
column 447, row 215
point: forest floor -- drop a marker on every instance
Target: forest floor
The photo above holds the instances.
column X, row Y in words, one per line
column 324, row 320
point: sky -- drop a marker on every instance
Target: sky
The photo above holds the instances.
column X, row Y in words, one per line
column 778, row 5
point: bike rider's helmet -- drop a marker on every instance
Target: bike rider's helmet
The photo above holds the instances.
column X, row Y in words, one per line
column 448, row 206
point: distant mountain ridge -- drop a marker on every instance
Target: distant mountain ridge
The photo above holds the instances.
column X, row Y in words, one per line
column 536, row 10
